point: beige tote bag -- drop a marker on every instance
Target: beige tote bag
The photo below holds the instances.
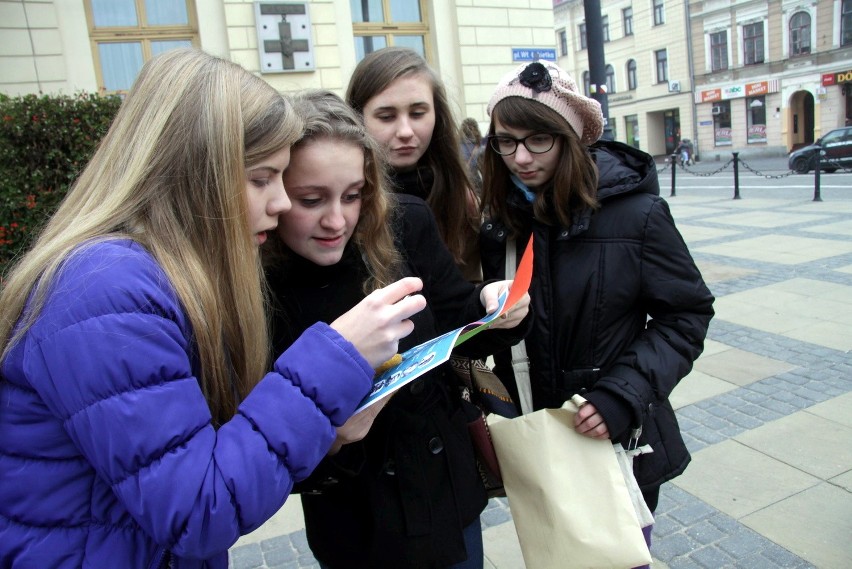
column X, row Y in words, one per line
column 567, row 494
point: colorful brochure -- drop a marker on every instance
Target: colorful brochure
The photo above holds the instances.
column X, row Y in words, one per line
column 428, row 355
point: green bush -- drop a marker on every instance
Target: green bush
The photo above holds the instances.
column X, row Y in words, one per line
column 45, row 141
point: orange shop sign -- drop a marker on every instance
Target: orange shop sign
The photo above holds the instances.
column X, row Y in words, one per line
column 759, row 88
column 711, row 95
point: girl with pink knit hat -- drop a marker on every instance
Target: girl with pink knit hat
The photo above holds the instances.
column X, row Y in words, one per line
column 621, row 311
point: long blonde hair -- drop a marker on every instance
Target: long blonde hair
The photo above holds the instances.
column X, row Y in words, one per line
column 328, row 117
column 170, row 174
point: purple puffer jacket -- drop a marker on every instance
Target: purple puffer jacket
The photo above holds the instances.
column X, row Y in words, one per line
column 107, row 453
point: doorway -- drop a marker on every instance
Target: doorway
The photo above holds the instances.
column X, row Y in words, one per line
column 801, row 131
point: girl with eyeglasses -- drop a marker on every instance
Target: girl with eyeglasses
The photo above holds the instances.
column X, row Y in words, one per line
column 621, row 311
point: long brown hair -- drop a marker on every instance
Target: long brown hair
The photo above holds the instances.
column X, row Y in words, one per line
column 575, row 181
column 327, row 116
column 449, row 196
column 171, row 175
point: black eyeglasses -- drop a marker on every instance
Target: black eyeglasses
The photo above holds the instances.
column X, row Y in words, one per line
column 537, row 143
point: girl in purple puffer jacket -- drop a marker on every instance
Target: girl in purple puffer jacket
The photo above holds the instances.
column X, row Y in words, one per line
column 138, row 425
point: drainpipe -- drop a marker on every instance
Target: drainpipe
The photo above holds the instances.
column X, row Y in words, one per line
column 689, row 60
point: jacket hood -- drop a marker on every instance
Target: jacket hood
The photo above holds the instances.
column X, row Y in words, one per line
column 623, row 169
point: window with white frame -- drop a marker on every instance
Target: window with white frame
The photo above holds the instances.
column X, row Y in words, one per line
column 627, row 17
column 659, row 12
column 631, row 75
column 563, row 42
column 381, row 23
column 753, row 43
column 800, row 33
column 719, row 51
column 662, row 62
column 127, row 33
column 846, row 22
column 605, row 26
column 582, row 36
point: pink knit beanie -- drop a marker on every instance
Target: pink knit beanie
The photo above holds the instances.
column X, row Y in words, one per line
column 551, row 86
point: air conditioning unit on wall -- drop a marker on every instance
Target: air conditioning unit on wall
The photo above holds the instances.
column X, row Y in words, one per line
column 674, row 86
column 717, row 110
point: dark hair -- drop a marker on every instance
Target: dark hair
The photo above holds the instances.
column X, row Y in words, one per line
column 449, row 193
column 575, row 181
column 470, row 131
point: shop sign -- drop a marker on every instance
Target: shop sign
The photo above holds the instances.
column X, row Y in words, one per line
column 755, row 89
column 732, row 92
column 756, row 133
column 746, row 90
column 836, row 78
column 712, row 95
column 723, row 137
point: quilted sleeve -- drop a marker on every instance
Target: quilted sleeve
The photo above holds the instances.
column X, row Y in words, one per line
column 110, row 357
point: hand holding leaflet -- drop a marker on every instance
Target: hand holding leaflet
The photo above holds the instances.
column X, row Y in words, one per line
column 428, row 355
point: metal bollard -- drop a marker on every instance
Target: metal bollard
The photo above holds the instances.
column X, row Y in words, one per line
column 736, row 175
column 817, row 170
column 674, row 172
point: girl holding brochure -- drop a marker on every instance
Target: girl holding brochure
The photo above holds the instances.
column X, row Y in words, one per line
column 141, row 424
column 400, row 488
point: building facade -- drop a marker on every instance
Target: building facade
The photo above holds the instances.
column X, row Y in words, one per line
column 770, row 76
column 67, row 46
column 648, row 78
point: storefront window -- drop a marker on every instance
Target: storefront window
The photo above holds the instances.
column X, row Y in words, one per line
column 631, row 128
column 722, row 123
column 756, row 119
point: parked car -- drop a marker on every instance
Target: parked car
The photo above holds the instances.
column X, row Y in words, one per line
column 836, row 148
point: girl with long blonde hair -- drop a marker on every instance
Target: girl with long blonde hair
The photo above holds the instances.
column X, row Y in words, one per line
column 140, row 425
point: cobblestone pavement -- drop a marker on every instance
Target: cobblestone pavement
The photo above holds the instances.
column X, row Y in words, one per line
column 690, row 532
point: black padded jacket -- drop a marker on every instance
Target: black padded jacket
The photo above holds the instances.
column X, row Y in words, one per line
column 620, row 309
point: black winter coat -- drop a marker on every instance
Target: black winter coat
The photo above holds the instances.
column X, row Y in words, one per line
column 620, row 309
column 402, row 495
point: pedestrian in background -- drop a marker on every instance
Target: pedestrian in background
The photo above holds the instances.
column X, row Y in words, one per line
column 472, row 146
column 620, row 309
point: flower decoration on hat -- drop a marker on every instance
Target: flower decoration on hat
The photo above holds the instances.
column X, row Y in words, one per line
column 536, row 77
column 549, row 85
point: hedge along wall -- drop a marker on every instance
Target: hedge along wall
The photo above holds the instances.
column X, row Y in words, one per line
column 45, row 141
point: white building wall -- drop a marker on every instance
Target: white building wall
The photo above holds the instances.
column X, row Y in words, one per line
column 45, row 46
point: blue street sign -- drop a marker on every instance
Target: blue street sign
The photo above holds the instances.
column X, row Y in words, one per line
column 533, row 53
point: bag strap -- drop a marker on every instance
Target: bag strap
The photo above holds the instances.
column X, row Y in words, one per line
column 520, row 361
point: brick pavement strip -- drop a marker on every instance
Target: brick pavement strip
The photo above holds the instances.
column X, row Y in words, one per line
column 688, row 532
